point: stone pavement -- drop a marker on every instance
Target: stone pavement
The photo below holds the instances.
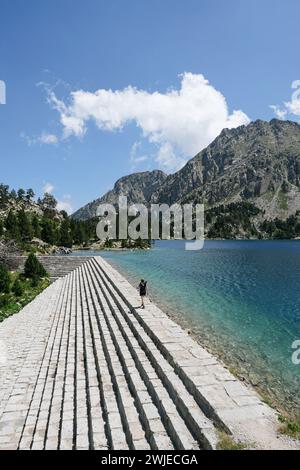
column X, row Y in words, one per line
column 82, row 368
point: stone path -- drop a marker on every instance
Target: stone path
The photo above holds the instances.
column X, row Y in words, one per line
column 81, row 368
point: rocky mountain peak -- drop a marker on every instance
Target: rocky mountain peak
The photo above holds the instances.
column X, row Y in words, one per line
column 258, row 163
column 138, row 187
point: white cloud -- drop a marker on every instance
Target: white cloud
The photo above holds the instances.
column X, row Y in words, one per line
column 65, row 204
column 167, row 158
column 279, row 113
column 44, row 138
column 179, row 123
column 135, row 157
column 48, row 188
column 292, row 107
column 48, row 138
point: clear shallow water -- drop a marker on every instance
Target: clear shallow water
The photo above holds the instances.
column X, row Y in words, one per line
column 240, row 299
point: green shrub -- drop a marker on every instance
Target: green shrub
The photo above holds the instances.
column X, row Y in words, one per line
column 35, row 281
column 18, row 288
column 227, row 442
column 108, row 243
column 33, row 268
column 4, row 279
column 290, row 427
column 4, row 300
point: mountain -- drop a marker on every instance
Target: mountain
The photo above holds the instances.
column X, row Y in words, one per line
column 138, row 187
column 258, row 163
column 247, row 177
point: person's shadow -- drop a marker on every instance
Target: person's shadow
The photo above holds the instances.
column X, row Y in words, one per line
column 131, row 311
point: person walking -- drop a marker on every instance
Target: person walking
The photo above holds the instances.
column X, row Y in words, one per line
column 143, row 291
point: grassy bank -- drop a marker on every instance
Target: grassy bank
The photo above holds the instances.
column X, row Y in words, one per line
column 290, row 427
column 12, row 302
column 18, row 289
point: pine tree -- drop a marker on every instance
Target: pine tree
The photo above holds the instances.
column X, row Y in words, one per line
column 33, row 268
column 79, row 235
column 36, row 226
column 4, row 280
column 48, row 205
column 30, row 194
column 49, row 202
column 11, row 225
column 17, row 288
column 13, row 194
column 25, row 227
column 65, row 238
column 48, row 232
column 21, row 194
column 4, row 194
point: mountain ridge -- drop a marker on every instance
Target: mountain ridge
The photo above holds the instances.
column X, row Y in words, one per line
column 257, row 163
column 138, row 187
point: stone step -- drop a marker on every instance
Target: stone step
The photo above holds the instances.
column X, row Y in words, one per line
column 18, row 405
column 47, row 380
column 90, row 422
column 116, row 437
column 130, row 420
column 82, row 368
column 190, row 407
column 165, row 411
column 195, row 420
column 102, row 386
column 153, row 427
column 175, row 339
column 85, row 380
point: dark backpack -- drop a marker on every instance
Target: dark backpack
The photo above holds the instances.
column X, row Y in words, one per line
column 143, row 288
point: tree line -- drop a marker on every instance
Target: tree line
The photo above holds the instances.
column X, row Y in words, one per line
column 236, row 219
column 27, row 219
column 23, row 226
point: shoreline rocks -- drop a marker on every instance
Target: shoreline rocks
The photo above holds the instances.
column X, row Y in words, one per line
column 62, row 250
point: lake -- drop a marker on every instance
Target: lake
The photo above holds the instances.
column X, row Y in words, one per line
column 240, row 299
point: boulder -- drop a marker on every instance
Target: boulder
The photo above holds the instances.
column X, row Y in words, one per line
column 62, row 250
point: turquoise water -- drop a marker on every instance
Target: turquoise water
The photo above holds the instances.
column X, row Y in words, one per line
column 239, row 298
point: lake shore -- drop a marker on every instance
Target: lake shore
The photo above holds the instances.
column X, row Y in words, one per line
column 272, row 390
column 208, row 343
column 241, row 418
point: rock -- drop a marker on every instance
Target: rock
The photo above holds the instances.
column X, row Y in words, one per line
column 62, row 250
column 39, row 243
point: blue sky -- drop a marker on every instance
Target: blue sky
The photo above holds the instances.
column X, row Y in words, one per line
column 166, row 52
